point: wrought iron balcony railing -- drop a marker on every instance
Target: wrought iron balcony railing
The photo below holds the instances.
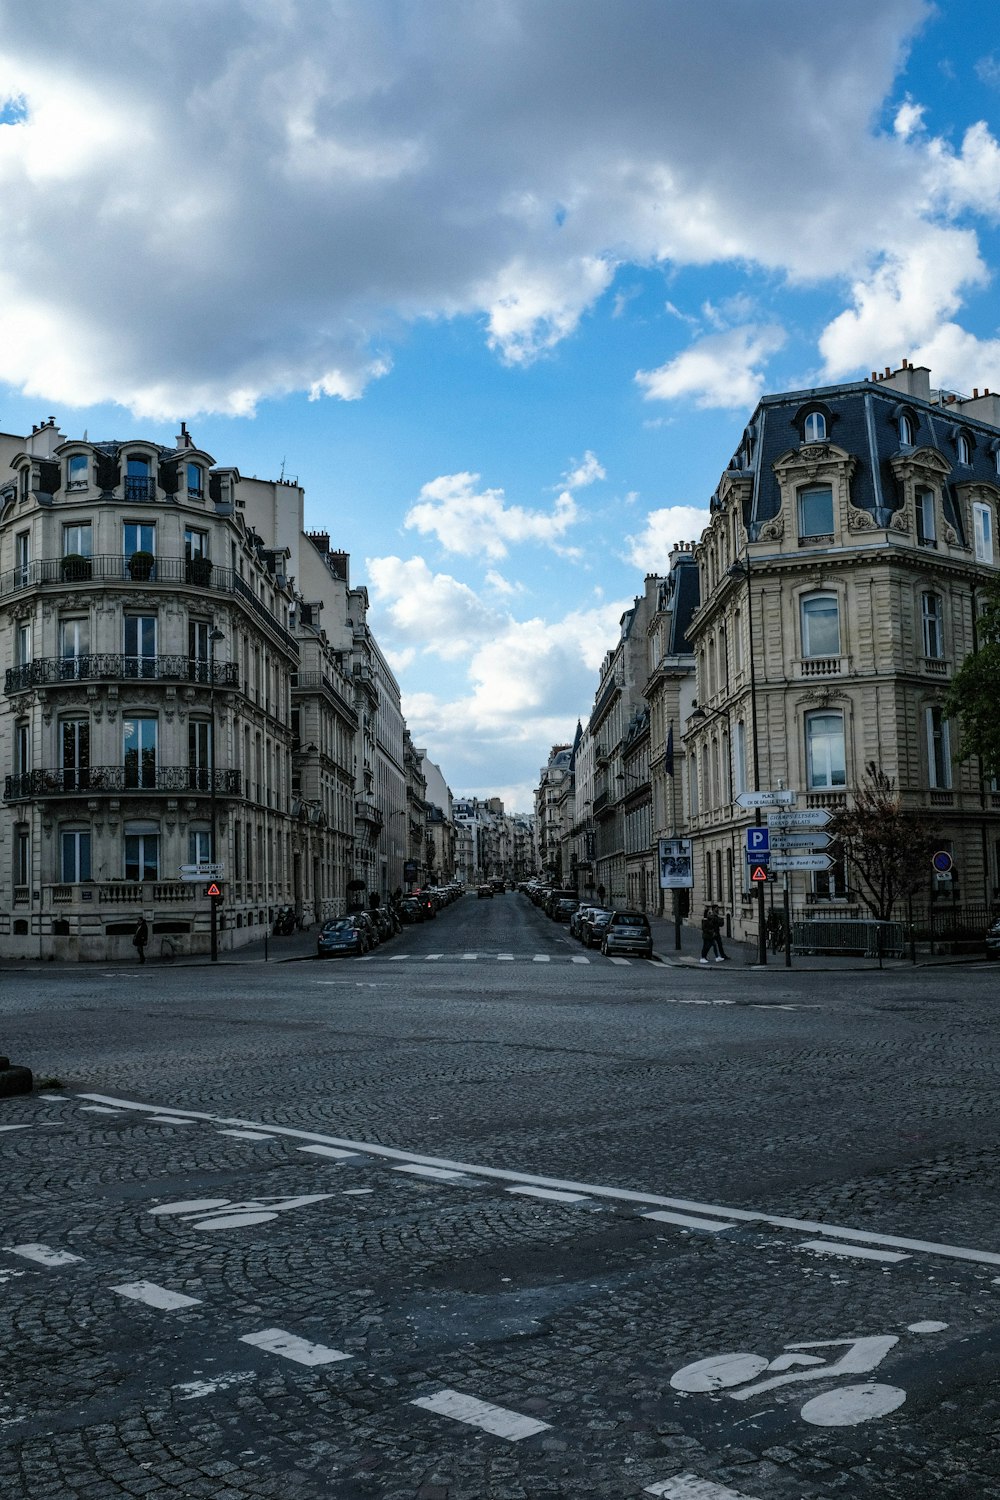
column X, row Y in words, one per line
column 97, row 666
column 91, row 781
column 138, row 487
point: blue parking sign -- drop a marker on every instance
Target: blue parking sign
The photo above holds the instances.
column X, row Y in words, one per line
column 758, row 841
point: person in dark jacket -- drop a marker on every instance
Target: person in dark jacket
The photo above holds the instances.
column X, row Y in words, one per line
column 140, row 938
column 711, row 935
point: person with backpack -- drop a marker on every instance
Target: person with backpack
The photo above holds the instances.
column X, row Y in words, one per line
column 711, row 935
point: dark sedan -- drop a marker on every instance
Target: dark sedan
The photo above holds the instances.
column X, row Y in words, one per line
column 342, row 935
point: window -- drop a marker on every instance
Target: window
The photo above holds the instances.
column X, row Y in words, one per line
column 198, row 650
column 24, row 485
column 816, row 511
column 22, row 557
column 140, row 645
column 814, row 430
column 195, row 482
column 195, row 543
column 75, row 855
column 139, row 484
column 74, row 736
column 22, row 856
column 142, row 852
column 78, row 540
column 931, row 615
column 938, row 749
column 740, row 759
column 926, row 522
column 139, row 539
column 905, row 427
column 825, row 761
column 982, row 524
column 76, row 471
column 139, row 749
column 22, row 748
column 821, row 625
column 199, row 846
column 74, row 645
column 199, row 753
column 22, row 643
column 963, row 448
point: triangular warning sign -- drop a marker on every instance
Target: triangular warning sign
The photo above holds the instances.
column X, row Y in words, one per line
column 214, row 890
column 759, row 872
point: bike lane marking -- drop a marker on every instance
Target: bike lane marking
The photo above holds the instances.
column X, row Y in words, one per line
column 857, row 1252
column 688, row 1221
column 690, row 1487
column 497, row 1420
column 596, row 1190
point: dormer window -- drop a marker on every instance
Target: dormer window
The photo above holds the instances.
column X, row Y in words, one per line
column 76, row 471
column 24, row 485
column 138, row 479
column 814, row 427
column 195, row 482
column 926, row 523
column 963, row 448
column 905, row 430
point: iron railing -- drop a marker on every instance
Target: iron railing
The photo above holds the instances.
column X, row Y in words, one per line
column 98, row 666
column 88, row 781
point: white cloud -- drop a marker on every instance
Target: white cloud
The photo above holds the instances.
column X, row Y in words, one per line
column 909, row 119
column 722, row 369
column 969, row 178
column 432, row 611
column 585, row 473
column 343, row 171
column 475, row 522
column 650, row 548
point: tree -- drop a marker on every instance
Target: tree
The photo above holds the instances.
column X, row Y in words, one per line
column 972, row 698
column 887, row 848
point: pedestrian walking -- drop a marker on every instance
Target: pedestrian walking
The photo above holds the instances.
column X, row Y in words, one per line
column 140, row 938
column 711, row 935
column 721, row 956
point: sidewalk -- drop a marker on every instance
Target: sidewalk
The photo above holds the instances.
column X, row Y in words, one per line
column 744, row 955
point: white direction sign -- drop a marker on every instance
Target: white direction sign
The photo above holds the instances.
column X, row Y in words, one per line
column 781, row 839
column 783, row 798
column 202, row 872
column 781, row 862
column 816, row 817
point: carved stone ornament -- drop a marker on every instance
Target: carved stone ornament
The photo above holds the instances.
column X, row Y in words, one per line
column 899, row 522
column 949, row 534
column 773, row 530
column 814, row 452
column 859, row 520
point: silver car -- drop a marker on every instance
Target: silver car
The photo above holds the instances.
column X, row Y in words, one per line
column 628, row 932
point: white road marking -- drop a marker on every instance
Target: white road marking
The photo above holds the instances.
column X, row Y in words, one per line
column 858, row 1252
column 193, row 1389
column 396, row 958
column 494, row 1419
column 688, row 1221
column 53, row 1098
column 290, row 1346
column 579, row 959
column 170, row 1120
column 505, row 958
column 191, row 1206
column 593, row 1190
column 248, row 1135
column 690, row 1487
column 357, row 1192
column 469, row 957
column 626, row 961
column 334, row 1152
column 430, row 957
column 439, row 1174
column 28, row 1127
column 154, row 1296
column 929, row 1326
column 541, row 958
column 98, row 1109
column 43, row 1254
column 550, row 1193
column 853, row 1404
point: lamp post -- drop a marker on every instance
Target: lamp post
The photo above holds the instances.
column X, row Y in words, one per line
column 742, row 569
column 213, row 636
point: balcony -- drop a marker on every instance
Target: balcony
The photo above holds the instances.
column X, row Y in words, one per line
column 821, row 666
column 138, row 488
column 365, row 811
column 50, row 671
column 104, row 781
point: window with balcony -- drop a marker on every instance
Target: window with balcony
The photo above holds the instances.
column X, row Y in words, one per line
column 926, row 518
column 139, row 482
column 22, row 558
column 820, row 625
column 139, row 752
column 142, row 851
column 982, row 524
column 938, row 749
column 78, row 539
column 815, row 507
column 22, row 747
column 74, row 646
column 140, row 645
column 200, row 753
column 74, row 750
column 77, row 471
column 74, row 855
column 826, row 765
column 22, row 643
column 931, row 611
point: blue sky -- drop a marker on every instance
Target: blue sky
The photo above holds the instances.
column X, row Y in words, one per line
column 498, row 282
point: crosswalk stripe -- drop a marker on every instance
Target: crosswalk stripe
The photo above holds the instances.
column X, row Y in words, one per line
column 290, row 1346
column 44, row 1255
column 154, row 1296
column 494, row 1419
column 619, row 960
column 541, row 958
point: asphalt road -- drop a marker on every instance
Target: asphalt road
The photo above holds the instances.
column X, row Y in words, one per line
column 475, row 1218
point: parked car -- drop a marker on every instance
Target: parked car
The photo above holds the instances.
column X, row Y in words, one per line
column 410, row 911
column 577, row 917
column 342, row 935
column 993, row 940
column 628, row 932
column 564, row 908
column 498, row 887
column 370, row 926
column 484, row 890
column 592, row 926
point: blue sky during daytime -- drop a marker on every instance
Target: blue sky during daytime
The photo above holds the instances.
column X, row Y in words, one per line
column 499, row 281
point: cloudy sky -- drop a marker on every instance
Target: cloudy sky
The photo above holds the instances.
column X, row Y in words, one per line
column 499, row 281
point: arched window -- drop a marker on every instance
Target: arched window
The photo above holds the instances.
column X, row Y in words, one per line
column 820, row 625
column 825, row 760
column 905, row 430
column 964, row 448
column 814, row 429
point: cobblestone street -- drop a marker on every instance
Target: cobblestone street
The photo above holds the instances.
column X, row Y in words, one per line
column 472, row 1219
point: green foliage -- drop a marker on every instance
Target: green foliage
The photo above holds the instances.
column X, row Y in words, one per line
column 888, row 849
column 974, row 695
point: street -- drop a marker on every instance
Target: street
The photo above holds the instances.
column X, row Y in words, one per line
column 484, row 1216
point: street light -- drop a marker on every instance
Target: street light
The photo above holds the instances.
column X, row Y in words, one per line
column 213, row 636
column 738, row 570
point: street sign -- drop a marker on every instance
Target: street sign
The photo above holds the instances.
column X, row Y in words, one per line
column 204, row 871
column 817, row 817
column 782, row 862
column 782, row 840
column 759, row 874
column 758, row 840
column 783, row 798
column 942, row 862
column 214, row 890
column 757, row 859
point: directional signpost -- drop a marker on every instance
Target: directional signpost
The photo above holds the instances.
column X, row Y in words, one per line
column 784, row 862
column 813, row 817
column 781, row 798
column 781, row 841
column 205, row 871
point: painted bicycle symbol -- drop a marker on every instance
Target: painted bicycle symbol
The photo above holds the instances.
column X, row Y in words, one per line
column 848, row 1405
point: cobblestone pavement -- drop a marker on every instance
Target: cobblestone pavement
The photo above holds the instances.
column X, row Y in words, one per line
column 470, row 1220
